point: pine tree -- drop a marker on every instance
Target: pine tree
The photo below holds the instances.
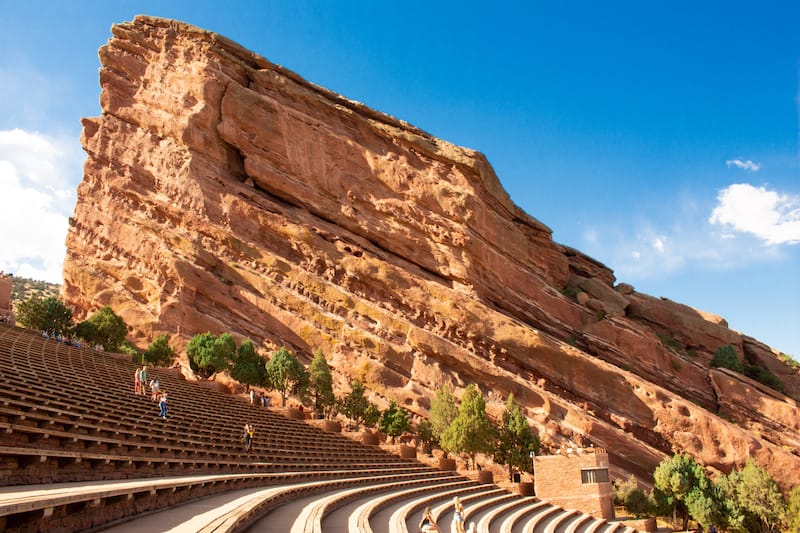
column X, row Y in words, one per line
column 209, row 354
column 45, row 314
column 107, row 328
column 286, row 373
column 685, row 487
column 470, row 432
column 394, row 420
column 159, row 352
column 249, row 367
column 321, row 385
column 355, row 405
column 443, row 411
column 515, row 440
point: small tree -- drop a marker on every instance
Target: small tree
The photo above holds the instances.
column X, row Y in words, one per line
column 372, row 415
column 45, row 314
column 628, row 494
column 515, row 440
column 726, row 357
column 209, row 354
column 793, row 511
column 443, row 411
column 249, row 367
column 682, row 483
column 426, row 437
column 394, row 420
column 106, row 327
column 321, row 385
column 286, row 373
column 470, row 432
column 756, row 497
column 159, row 353
column 354, row 405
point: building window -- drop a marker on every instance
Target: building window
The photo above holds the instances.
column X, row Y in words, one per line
column 594, row 475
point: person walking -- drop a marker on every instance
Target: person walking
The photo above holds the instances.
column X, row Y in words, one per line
column 154, row 389
column 162, row 403
column 137, row 380
column 249, row 431
column 143, row 381
column 458, row 515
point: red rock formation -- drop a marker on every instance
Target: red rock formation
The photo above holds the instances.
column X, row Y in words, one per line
column 222, row 192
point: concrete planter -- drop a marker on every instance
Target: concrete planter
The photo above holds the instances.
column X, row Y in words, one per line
column 369, row 438
column 408, row 452
column 485, row 477
column 294, row 413
column 331, row 426
column 526, row 488
column 447, row 464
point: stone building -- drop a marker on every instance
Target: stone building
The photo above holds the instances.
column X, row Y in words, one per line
column 6, row 311
column 576, row 478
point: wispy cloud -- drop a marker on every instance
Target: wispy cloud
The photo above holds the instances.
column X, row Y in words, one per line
column 38, row 177
column 743, row 225
column 744, row 165
column 769, row 215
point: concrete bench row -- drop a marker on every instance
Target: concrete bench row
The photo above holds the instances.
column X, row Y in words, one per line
column 51, row 428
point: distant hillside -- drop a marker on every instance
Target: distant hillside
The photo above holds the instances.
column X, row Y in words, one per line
column 24, row 288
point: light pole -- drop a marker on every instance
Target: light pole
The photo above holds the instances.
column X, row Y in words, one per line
column 533, row 470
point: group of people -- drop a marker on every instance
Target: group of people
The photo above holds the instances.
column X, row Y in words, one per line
column 156, row 394
column 428, row 524
column 257, row 398
column 71, row 341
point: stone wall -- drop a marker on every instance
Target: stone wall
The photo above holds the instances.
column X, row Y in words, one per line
column 6, row 311
column 560, row 479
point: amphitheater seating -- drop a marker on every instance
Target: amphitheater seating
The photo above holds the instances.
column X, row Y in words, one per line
column 78, row 450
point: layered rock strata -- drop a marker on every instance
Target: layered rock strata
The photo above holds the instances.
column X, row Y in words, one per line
column 222, row 192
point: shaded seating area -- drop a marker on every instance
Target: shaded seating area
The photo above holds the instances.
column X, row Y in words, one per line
column 78, row 449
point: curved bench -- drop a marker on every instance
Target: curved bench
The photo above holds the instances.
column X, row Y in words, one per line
column 398, row 522
column 540, row 518
column 496, row 510
column 508, row 524
column 559, row 520
column 360, row 519
column 310, row 518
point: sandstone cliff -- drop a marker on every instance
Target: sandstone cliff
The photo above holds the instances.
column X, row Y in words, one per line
column 222, row 192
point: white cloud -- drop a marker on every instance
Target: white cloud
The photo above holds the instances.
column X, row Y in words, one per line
column 743, row 226
column 38, row 179
column 744, row 165
column 771, row 216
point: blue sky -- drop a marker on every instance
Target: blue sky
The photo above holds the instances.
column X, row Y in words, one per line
column 659, row 137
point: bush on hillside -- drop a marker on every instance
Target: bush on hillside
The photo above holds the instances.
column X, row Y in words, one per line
column 45, row 314
column 209, row 354
column 285, row 374
column 321, row 385
column 104, row 327
column 159, row 353
column 727, row 357
column 395, row 420
column 249, row 367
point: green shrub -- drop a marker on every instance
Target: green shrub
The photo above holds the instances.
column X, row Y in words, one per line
column 571, row 292
column 572, row 341
column 159, row 353
column 45, row 314
column 789, row 360
column 726, row 357
column 762, row 375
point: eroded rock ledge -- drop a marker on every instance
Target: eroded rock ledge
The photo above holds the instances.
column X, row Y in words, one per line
column 222, row 192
